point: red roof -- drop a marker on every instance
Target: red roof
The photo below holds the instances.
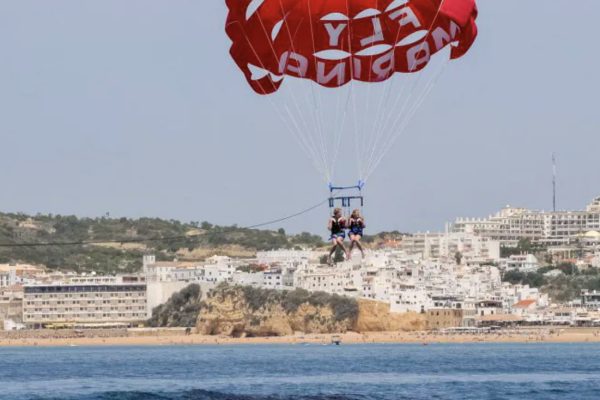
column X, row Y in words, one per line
column 524, row 303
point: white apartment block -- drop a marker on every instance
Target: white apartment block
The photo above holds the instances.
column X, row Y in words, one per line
column 242, row 278
column 215, row 269
column 13, row 274
column 410, row 299
column 79, row 304
column 445, row 246
column 342, row 279
column 286, row 257
column 521, row 262
column 7, row 278
column 11, row 306
column 273, row 280
column 550, row 228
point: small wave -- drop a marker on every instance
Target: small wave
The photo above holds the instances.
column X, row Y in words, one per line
column 200, row 395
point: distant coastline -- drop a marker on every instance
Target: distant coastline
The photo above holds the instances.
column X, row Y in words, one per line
column 542, row 335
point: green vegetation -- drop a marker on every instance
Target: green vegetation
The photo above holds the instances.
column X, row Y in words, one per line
column 564, row 287
column 177, row 238
column 344, row 308
column 533, row 279
column 383, row 237
column 181, row 310
column 252, row 268
column 524, row 246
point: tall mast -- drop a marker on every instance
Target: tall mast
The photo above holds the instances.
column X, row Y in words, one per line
column 554, row 182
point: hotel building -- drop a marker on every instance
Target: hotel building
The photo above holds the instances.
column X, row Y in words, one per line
column 548, row 228
column 119, row 301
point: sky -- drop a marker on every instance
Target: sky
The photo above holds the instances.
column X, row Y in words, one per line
column 135, row 108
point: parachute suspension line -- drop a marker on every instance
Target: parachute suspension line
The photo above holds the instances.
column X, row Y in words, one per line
column 366, row 126
column 302, row 135
column 357, row 140
column 382, row 132
column 382, row 110
column 431, row 84
column 301, row 139
column 352, row 98
column 290, row 114
column 403, row 118
column 309, row 131
column 277, row 110
column 339, row 127
column 386, row 136
column 317, row 105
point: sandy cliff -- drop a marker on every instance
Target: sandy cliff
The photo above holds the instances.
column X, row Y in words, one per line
column 246, row 312
column 375, row 316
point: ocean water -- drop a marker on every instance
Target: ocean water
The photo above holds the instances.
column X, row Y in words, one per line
column 308, row 372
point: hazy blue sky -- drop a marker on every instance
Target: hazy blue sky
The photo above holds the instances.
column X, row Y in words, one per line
column 134, row 107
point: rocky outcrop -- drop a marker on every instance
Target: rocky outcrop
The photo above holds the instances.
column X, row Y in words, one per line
column 375, row 316
column 181, row 310
column 244, row 311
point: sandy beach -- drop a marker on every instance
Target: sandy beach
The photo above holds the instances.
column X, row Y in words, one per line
column 552, row 335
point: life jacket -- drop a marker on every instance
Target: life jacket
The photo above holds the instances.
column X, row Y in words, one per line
column 337, row 225
column 356, row 223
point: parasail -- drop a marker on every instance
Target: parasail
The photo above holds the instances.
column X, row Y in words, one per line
column 349, row 46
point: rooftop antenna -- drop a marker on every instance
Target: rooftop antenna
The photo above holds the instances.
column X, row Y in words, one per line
column 554, row 182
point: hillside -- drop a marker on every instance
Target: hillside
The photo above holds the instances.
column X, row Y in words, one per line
column 186, row 241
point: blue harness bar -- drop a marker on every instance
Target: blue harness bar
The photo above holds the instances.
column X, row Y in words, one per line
column 346, row 201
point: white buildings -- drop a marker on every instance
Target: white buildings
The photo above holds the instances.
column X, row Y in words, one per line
column 590, row 299
column 11, row 307
column 13, row 274
column 521, row 262
column 8, row 278
column 445, row 247
column 324, row 279
column 410, row 299
column 214, row 269
column 512, row 224
column 287, row 257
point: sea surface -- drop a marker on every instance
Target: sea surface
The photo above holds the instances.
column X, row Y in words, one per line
column 309, row 372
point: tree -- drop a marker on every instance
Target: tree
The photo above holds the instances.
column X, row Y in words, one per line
column 339, row 255
column 525, row 245
column 533, row 279
column 567, row 268
column 458, row 257
column 206, row 226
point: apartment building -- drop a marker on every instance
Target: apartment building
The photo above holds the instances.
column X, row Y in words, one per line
column 445, row 246
column 511, row 224
column 116, row 301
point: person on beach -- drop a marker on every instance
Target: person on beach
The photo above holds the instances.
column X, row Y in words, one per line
column 356, row 223
column 337, row 226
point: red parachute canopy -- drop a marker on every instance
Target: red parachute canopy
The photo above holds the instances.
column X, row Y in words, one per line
column 334, row 41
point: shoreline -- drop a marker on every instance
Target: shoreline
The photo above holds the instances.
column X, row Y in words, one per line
column 561, row 335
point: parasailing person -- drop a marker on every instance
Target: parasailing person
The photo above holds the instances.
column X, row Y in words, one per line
column 337, row 227
column 356, row 224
